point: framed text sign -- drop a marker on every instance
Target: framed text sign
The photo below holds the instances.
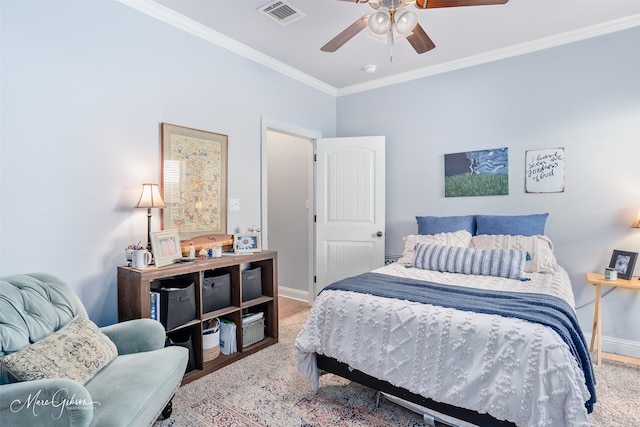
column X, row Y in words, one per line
column 544, row 171
column 194, row 181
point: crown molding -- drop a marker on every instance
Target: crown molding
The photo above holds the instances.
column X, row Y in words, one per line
column 508, row 52
column 177, row 20
column 173, row 18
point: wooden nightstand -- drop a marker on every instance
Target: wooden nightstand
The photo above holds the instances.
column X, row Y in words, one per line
column 598, row 281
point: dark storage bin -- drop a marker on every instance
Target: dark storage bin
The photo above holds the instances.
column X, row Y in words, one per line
column 251, row 284
column 183, row 339
column 177, row 302
column 216, row 292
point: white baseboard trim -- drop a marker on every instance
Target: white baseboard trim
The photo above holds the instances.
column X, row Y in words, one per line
column 292, row 293
column 618, row 346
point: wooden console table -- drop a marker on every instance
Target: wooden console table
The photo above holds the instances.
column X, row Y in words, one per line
column 134, row 287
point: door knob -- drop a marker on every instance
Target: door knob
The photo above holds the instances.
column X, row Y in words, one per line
column 379, row 234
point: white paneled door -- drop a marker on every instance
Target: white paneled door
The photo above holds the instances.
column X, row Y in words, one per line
column 350, row 207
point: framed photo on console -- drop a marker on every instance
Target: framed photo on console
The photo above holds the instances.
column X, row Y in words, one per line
column 624, row 263
column 165, row 246
column 246, row 243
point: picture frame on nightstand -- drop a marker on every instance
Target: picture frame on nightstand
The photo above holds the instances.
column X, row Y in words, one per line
column 624, row 263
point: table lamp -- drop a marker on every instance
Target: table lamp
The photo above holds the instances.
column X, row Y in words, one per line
column 150, row 198
column 636, row 223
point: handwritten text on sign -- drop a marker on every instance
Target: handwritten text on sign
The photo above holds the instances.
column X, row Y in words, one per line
column 544, row 170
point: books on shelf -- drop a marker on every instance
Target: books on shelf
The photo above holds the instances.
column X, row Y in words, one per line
column 155, row 305
column 228, row 343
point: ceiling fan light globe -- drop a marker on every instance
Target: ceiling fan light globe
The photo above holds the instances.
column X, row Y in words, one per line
column 405, row 21
column 380, row 22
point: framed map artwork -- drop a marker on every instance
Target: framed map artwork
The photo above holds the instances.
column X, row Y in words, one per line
column 194, row 181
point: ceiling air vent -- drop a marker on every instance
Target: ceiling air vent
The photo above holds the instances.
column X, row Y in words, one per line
column 282, row 12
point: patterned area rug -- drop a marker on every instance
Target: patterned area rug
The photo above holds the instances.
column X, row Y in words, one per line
column 265, row 389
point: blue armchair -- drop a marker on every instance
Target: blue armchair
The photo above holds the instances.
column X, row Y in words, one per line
column 133, row 389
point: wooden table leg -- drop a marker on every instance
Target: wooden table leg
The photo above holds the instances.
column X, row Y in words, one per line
column 597, row 328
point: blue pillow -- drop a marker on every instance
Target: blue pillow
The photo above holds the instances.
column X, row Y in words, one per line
column 446, row 224
column 513, row 225
column 507, row 263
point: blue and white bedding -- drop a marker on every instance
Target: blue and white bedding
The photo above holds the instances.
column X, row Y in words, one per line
column 513, row 369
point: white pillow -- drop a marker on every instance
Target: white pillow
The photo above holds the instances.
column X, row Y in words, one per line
column 461, row 238
column 539, row 248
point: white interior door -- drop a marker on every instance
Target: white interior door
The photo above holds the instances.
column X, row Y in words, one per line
column 350, row 207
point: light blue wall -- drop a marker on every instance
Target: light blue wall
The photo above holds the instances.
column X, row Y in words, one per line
column 85, row 86
column 584, row 97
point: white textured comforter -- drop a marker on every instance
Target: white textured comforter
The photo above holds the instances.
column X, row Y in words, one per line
column 511, row 369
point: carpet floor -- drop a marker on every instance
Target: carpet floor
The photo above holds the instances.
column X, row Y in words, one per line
column 265, row 389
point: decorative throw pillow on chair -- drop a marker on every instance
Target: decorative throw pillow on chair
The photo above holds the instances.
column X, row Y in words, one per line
column 77, row 351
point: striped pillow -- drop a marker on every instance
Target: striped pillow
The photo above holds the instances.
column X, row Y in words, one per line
column 507, row 263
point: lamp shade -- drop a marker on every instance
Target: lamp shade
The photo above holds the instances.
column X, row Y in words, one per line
column 636, row 223
column 380, row 22
column 150, row 197
column 405, row 21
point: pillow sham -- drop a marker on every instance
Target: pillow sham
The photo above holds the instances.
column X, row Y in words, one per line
column 77, row 351
column 460, row 238
column 515, row 225
column 540, row 249
column 507, row 263
column 446, row 224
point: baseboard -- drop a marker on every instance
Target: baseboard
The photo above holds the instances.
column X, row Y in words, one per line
column 292, row 293
column 618, row 346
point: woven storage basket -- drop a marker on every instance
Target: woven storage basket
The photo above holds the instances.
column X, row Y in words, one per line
column 210, row 344
column 208, row 354
column 252, row 332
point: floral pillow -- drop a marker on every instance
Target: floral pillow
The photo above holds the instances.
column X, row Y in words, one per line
column 539, row 247
column 77, row 351
column 460, row 238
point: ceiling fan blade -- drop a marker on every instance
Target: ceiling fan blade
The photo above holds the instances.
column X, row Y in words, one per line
column 432, row 4
column 420, row 40
column 350, row 32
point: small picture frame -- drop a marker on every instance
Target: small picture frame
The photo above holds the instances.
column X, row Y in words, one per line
column 624, row 263
column 165, row 246
column 246, row 243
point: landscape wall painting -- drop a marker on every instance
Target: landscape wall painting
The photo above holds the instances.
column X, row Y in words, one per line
column 477, row 173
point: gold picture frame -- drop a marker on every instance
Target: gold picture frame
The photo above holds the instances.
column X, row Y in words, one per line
column 194, row 181
column 165, row 246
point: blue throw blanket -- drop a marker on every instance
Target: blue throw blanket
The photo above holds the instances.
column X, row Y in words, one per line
column 544, row 309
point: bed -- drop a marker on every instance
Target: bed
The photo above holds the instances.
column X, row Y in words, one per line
column 478, row 326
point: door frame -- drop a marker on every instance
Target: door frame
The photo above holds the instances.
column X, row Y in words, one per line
column 266, row 125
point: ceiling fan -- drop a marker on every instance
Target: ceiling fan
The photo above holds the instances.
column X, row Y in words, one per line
column 393, row 21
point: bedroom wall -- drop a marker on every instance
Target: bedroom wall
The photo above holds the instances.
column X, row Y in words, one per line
column 85, row 86
column 584, row 97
